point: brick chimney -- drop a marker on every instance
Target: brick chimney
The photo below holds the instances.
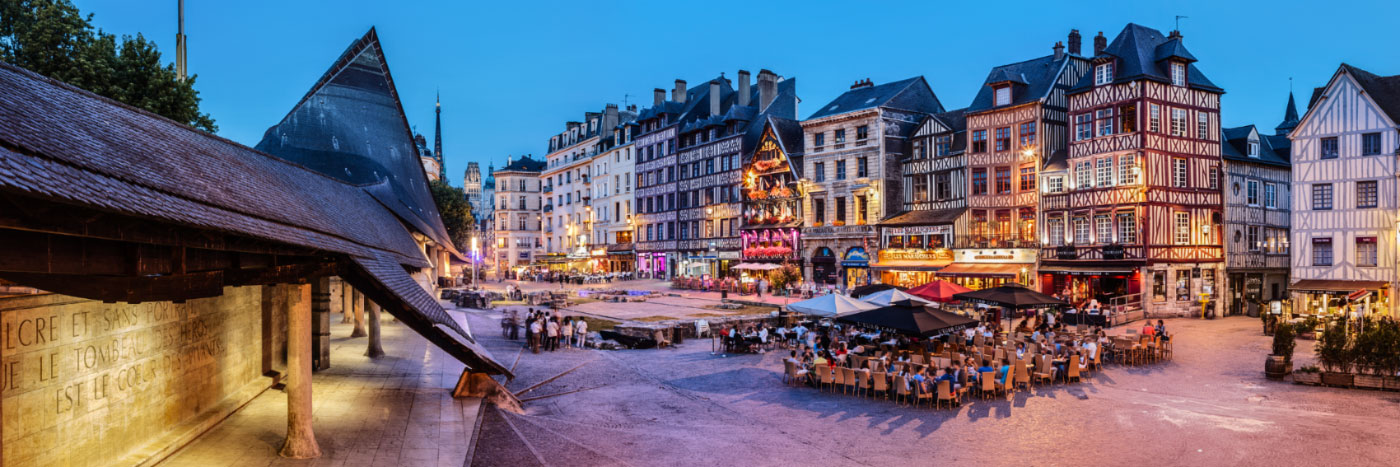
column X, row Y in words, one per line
column 865, row 83
column 767, row 89
column 744, row 87
column 678, row 94
column 610, row 118
column 658, row 96
column 1100, row 43
column 1175, row 34
column 1059, row 50
column 1074, row 42
column 714, row 97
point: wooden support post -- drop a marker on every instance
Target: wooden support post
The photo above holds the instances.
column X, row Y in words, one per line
column 359, row 315
column 473, row 384
column 374, row 350
column 347, row 302
column 301, row 440
column 321, row 323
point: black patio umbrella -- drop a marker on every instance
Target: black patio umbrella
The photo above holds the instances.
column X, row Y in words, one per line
column 872, row 288
column 910, row 320
column 1009, row 296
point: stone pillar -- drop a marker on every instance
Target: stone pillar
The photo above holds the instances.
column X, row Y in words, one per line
column 321, row 323
column 347, row 301
column 301, row 441
column 374, row 350
column 359, row 315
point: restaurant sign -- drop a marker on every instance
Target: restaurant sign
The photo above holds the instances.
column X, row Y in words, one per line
column 1113, row 251
column 904, row 254
column 1066, row 252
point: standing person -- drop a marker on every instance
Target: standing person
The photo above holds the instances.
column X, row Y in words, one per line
column 758, row 287
column 534, row 334
column 553, row 332
column 566, row 332
column 514, row 324
column 581, row 332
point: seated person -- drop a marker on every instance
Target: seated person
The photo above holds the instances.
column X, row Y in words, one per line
column 1148, row 330
column 1003, row 371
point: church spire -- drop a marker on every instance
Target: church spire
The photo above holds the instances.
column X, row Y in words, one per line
column 437, row 140
column 1290, row 117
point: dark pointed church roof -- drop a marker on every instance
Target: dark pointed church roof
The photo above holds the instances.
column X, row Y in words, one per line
column 351, row 126
column 1140, row 54
column 1290, row 117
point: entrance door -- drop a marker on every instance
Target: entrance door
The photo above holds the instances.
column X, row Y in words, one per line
column 1236, row 294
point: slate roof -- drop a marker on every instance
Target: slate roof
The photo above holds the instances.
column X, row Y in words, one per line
column 523, row 164
column 1033, row 80
column 1385, row 90
column 933, row 217
column 1058, row 160
column 1234, row 146
column 907, row 94
column 62, row 144
column 784, row 106
column 790, row 136
column 1136, row 49
column 331, row 128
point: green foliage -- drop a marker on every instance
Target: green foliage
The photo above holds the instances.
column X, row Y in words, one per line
column 52, row 38
column 1283, row 341
column 1377, row 348
column 455, row 211
column 1334, row 349
column 785, row 275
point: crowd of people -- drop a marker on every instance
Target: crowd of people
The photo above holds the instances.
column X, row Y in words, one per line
column 546, row 329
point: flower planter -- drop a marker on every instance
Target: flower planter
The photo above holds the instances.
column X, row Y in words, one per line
column 1309, row 336
column 1369, row 381
column 1277, row 366
column 1392, row 383
column 1337, row 379
column 1308, row 378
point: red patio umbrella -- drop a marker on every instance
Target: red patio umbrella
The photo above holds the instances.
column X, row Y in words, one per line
column 938, row 291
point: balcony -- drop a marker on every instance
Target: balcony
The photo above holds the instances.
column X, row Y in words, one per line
column 548, row 208
column 547, row 189
column 1093, row 252
column 988, row 241
column 586, row 179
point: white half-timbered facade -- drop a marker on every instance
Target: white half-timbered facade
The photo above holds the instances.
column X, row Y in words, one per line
column 1257, row 200
column 1345, row 201
column 918, row 240
column 1138, row 225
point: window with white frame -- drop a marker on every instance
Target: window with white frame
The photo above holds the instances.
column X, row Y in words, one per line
column 1054, row 185
column 1127, row 228
column 1178, row 122
column 1003, row 95
column 1270, row 195
column 1251, row 238
column 1254, row 149
column 1366, row 252
column 1251, row 192
column 1083, row 126
column 1154, row 118
column 1178, row 74
column 1183, row 228
column 1104, row 119
column 1081, row 231
column 1056, row 228
column 1103, row 73
column 1202, row 125
column 1127, row 168
column 1103, row 229
column 1082, row 178
column 1104, row 172
column 1179, row 172
column 1322, row 251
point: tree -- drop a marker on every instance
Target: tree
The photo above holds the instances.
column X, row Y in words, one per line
column 455, row 211
column 52, row 38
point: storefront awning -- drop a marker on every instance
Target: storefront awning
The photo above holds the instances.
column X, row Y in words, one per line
column 981, row 270
column 1322, row 285
column 1087, row 270
column 910, row 265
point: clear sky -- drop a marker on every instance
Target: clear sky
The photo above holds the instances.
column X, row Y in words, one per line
column 512, row 72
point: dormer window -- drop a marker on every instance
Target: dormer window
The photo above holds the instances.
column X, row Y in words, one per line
column 1003, row 95
column 1254, row 149
column 1178, row 74
column 1103, row 73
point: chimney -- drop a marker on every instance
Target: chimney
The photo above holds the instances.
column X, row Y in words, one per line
column 1074, row 42
column 865, row 83
column 609, row 118
column 658, row 96
column 744, row 87
column 714, row 97
column 1059, row 50
column 767, row 89
column 678, row 94
column 1100, row 43
column 508, row 158
column 1175, row 34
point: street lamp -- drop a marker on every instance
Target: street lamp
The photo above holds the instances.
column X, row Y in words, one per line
column 473, row 259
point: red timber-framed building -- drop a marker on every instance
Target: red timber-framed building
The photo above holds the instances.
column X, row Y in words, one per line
column 1137, row 223
column 772, row 196
column 1017, row 121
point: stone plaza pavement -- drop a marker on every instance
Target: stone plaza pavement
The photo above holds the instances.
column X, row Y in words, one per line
column 392, row 411
column 1211, row 405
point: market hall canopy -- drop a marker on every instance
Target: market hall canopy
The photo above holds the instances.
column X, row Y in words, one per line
column 892, row 296
column 868, row 289
column 939, row 291
column 910, row 320
column 830, row 305
column 1010, row 296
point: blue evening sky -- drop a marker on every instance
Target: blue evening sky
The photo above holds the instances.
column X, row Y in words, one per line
column 512, row 72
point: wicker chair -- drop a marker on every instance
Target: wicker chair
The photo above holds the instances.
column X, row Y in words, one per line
column 945, row 393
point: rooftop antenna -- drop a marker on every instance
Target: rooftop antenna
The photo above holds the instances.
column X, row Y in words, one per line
column 624, row 100
column 180, row 46
column 1178, row 21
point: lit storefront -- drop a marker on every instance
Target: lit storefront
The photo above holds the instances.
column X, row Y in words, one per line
column 1081, row 283
column 1333, row 298
column 912, row 255
column 979, row 269
column 824, row 266
column 621, row 258
column 855, row 267
column 651, row 265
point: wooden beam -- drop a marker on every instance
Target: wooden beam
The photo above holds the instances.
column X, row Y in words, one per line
column 286, row 274
column 126, row 288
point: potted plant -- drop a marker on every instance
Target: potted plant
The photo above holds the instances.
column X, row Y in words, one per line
column 838, row 223
column 1389, row 361
column 1308, row 375
column 1334, row 351
column 1307, row 329
column 1369, row 352
column 1280, row 362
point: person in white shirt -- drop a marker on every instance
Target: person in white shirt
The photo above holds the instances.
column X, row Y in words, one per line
column 580, row 333
column 969, row 334
column 1050, row 320
column 566, row 332
column 552, row 330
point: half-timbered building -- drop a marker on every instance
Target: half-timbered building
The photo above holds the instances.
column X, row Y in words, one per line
column 918, row 240
column 1140, row 220
column 1018, row 116
column 854, row 147
column 1345, row 207
column 772, row 217
column 1256, row 217
column 655, row 147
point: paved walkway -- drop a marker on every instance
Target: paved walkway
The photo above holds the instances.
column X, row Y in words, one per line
column 392, row 411
column 1211, row 405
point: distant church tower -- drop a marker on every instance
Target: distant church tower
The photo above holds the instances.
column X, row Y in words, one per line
column 1290, row 118
column 437, row 141
column 180, row 70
